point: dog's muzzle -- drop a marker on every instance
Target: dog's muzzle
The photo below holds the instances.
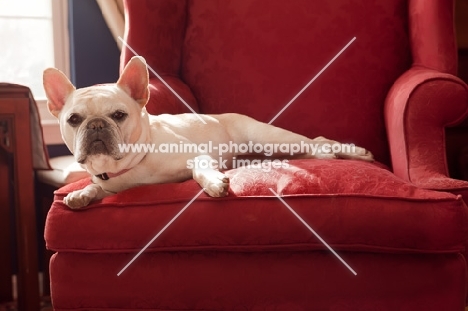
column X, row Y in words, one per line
column 97, row 137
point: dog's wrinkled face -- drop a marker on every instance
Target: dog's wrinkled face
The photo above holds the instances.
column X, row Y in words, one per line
column 95, row 120
column 96, row 127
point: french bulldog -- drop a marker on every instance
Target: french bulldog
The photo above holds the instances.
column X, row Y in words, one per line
column 95, row 122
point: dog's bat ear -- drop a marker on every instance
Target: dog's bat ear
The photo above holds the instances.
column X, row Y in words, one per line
column 57, row 88
column 134, row 80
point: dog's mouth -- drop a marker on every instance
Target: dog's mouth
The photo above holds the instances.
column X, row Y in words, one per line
column 95, row 147
column 97, row 139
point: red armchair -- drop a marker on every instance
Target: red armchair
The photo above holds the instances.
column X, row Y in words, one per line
column 392, row 91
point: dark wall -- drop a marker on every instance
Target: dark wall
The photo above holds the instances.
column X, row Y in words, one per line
column 94, row 55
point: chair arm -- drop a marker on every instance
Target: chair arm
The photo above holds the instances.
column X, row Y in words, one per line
column 419, row 106
column 156, row 31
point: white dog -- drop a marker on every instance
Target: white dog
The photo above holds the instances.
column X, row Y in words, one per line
column 97, row 121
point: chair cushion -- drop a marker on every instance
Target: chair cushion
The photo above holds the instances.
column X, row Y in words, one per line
column 353, row 205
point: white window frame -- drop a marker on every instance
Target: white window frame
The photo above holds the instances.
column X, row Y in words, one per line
column 50, row 126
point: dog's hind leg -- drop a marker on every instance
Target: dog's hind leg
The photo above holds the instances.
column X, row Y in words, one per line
column 243, row 129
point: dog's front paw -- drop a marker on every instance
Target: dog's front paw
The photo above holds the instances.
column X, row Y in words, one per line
column 81, row 198
column 215, row 184
column 78, row 199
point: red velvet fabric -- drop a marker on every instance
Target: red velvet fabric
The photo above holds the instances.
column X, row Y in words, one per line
column 241, row 57
column 271, row 281
column 247, row 250
column 420, row 105
column 355, row 206
column 433, row 42
column 392, row 91
column 157, row 33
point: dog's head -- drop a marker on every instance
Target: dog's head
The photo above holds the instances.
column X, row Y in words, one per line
column 95, row 120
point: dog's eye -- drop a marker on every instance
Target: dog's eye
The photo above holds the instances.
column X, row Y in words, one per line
column 119, row 115
column 74, row 119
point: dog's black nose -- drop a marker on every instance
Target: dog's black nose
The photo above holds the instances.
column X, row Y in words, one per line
column 96, row 124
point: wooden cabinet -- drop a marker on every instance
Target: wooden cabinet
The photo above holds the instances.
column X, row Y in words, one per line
column 18, row 237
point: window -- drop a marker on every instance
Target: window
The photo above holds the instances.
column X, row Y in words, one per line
column 34, row 36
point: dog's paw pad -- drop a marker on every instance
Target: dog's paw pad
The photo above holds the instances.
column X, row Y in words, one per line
column 368, row 156
column 77, row 199
column 217, row 184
